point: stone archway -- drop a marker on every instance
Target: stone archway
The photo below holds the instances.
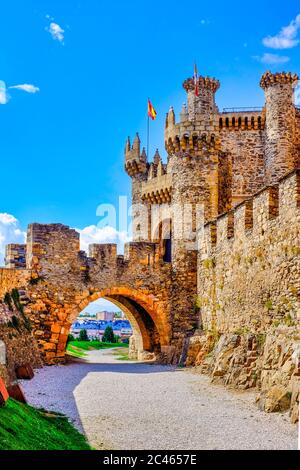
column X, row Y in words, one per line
column 151, row 332
column 59, row 281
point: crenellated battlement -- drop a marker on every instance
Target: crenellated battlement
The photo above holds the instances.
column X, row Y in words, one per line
column 142, row 253
column 203, row 82
column 157, row 190
column 274, row 205
column 135, row 160
column 57, row 245
column 15, row 256
column 193, row 142
column 270, row 79
column 243, row 121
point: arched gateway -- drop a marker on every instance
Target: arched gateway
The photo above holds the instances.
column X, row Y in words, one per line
column 59, row 281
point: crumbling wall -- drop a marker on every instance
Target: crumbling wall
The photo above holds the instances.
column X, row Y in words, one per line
column 17, row 342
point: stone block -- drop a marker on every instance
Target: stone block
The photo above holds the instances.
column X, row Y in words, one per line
column 15, row 391
column 55, row 328
column 277, row 399
column 2, row 353
column 24, row 372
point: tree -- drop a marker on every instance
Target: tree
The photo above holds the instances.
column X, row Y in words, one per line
column 83, row 336
column 108, row 336
column 71, row 338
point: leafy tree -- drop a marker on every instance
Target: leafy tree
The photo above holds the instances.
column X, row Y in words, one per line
column 71, row 338
column 83, row 336
column 109, row 336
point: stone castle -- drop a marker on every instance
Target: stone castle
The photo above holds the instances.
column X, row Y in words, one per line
column 223, row 295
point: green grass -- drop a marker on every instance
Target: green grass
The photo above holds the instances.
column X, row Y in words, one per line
column 78, row 348
column 76, row 352
column 122, row 355
column 25, row 428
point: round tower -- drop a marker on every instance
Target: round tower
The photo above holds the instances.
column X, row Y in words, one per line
column 136, row 166
column 280, row 124
column 204, row 103
column 193, row 149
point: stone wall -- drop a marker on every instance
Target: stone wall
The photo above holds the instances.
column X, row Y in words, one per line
column 249, row 295
column 297, row 131
column 18, row 345
column 280, row 124
column 253, row 261
column 246, row 148
column 12, row 278
column 15, row 256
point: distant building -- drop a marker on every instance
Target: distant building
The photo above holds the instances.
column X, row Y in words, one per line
column 95, row 328
column 105, row 316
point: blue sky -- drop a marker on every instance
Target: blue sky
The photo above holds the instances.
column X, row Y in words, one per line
column 90, row 66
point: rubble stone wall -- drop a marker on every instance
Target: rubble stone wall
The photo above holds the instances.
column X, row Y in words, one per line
column 17, row 342
column 249, row 297
column 246, row 148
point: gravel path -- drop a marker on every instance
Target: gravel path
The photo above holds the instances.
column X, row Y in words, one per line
column 128, row 405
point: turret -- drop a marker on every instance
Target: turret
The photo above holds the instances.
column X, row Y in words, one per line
column 198, row 119
column 157, row 158
column 204, row 104
column 135, row 161
column 184, row 115
column 280, row 124
column 137, row 167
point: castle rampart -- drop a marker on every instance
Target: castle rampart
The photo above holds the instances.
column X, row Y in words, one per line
column 249, row 293
column 221, row 299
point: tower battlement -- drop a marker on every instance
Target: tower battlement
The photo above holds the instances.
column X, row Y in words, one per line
column 274, row 205
column 135, row 160
column 203, row 83
column 270, row 79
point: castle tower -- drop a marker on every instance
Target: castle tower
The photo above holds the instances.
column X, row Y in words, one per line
column 193, row 149
column 204, row 104
column 136, row 166
column 280, row 124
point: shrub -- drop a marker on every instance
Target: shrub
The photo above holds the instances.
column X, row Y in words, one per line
column 109, row 336
column 269, row 304
column 71, row 338
column 27, row 323
column 14, row 323
column 35, row 280
column 7, row 300
column 83, row 336
column 16, row 298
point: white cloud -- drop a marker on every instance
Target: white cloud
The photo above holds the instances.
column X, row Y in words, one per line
column 286, row 38
column 94, row 234
column 10, row 232
column 56, row 32
column 27, row 87
column 4, row 97
column 272, row 59
column 297, row 96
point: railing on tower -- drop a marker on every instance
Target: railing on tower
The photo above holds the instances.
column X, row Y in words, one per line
column 242, row 110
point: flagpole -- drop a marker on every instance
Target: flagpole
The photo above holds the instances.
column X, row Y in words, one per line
column 148, row 135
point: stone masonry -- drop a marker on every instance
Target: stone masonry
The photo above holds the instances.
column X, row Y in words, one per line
column 212, row 276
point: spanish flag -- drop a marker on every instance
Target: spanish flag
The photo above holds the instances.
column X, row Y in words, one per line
column 151, row 111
